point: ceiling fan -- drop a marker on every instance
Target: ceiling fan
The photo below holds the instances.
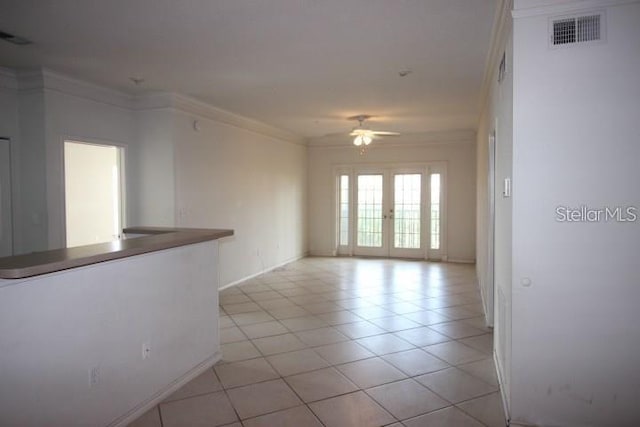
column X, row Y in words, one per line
column 362, row 135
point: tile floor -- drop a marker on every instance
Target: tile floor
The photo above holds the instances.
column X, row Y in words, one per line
column 346, row 342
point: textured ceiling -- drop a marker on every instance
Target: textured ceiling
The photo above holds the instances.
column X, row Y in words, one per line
column 301, row 65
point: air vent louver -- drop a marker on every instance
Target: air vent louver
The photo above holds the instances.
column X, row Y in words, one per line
column 576, row 29
column 564, row 31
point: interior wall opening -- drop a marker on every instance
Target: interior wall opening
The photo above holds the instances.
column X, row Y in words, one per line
column 93, row 177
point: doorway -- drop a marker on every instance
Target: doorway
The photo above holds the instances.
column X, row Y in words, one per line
column 93, row 192
column 6, row 213
column 396, row 212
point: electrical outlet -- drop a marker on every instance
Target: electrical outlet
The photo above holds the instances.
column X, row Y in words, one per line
column 94, row 376
column 146, row 350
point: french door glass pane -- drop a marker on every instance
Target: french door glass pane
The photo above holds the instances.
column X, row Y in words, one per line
column 435, row 211
column 344, row 210
column 370, row 210
column 406, row 210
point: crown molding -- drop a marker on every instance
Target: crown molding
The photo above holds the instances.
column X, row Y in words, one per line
column 8, row 79
column 520, row 9
column 422, row 139
column 83, row 89
column 48, row 80
column 30, row 80
column 189, row 105
column 45, row 79
column 499, row 34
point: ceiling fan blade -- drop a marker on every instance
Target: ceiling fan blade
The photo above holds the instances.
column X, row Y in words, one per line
column 384, row 133
column 357, row 132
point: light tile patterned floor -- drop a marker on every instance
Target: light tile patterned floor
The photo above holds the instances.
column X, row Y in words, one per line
column 346, row 342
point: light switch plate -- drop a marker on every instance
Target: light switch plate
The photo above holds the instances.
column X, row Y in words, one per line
column 506, row 191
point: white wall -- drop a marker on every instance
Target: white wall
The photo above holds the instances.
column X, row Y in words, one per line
column 576, row 142
column 457, row 149
column 497, row 117
column 78, row 117
column 10, row 128
column 51, row 108
column 229, row 177
column 234, row 173
column 150, row 170
column 6, row 211
column 230, row 173
column 9, row 125
column 163, row 298
column 32, row 232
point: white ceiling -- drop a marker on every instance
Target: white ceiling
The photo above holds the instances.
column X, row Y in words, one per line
column 301, row 65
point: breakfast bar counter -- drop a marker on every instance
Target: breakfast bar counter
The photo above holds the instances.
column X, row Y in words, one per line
column 98, row 334
column 151, row 239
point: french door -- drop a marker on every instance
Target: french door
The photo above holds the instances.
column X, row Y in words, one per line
column 395, row 212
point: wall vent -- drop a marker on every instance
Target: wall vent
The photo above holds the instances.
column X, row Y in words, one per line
column 570, row 30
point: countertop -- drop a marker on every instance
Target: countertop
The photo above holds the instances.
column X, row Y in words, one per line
column 155, row 239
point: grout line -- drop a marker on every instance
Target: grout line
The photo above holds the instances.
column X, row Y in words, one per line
column 330, row 277
column 469, row 414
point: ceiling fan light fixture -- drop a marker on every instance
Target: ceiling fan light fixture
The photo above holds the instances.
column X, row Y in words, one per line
column 364, row 136
column 362, row 139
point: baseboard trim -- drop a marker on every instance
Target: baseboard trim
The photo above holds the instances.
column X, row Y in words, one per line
column 503, row 396
column 154, row 400
column 326, row 254
column 484, row 303
column 443, row 259
column 265, row 270
column 461, row 260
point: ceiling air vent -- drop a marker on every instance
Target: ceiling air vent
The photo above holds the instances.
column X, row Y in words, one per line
column 577, row 29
